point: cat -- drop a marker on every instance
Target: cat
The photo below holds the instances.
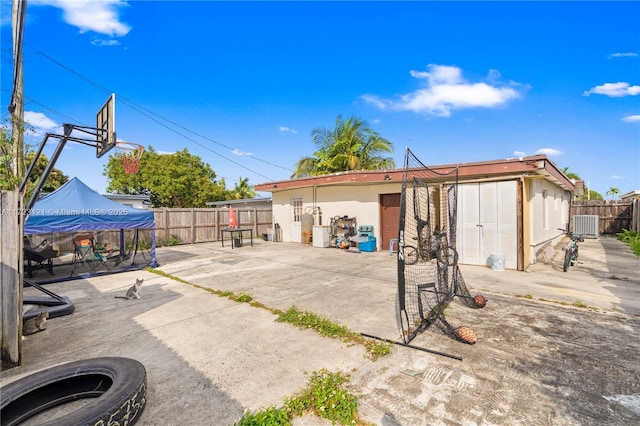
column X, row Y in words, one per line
column 133, row 292
column 35, row 324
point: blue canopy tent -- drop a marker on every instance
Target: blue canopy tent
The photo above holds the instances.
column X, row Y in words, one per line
column 75, row 208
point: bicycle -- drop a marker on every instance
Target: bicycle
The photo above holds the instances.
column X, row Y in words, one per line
column 571, row 250
column 433, row 247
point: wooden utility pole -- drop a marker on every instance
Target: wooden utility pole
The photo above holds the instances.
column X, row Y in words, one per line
column 12, row 222
column 16, row 108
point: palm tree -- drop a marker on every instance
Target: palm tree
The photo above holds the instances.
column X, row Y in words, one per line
column 570, row 175
column 351, row 145
column 243, row 190
column 613, row 191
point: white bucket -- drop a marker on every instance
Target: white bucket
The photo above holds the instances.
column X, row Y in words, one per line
column 496, row 261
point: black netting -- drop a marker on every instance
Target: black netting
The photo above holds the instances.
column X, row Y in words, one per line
column 428, row 273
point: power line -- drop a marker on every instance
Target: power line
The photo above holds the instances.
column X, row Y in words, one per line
column 152, row 116
column 74, row 120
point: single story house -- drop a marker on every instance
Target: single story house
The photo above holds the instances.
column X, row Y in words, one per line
column 253, row 203
column 135, row 201
column 511, row 206
column 631, row 195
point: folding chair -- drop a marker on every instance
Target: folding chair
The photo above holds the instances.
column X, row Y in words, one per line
column 85, row 254
column 38, row 259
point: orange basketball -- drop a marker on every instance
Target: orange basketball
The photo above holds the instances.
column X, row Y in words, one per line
column 480, row 300
column 467, row 334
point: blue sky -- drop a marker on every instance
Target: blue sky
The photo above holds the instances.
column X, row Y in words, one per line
column 242, row 84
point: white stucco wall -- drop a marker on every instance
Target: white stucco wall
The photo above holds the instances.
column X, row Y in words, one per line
column 359, row 201
column 547, row 214
column 136, row 203
column 549, row 209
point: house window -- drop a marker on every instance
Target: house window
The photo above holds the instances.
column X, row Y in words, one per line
column 296, row 203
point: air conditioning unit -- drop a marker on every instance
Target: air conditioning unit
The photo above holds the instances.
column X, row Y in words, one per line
column 586, row 225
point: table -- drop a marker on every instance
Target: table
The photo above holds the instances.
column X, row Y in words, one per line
column 236, row 236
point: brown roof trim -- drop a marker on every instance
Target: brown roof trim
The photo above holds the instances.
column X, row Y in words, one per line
column 523, row 166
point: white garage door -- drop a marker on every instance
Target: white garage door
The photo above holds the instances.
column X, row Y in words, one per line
column 487, row 222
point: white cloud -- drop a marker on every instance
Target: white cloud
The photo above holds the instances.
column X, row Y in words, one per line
column 617, row 177
column 284, row 129
column 622, row 55
column 631, row 118
column 238, row 152
column 101, row 42
column 41, row 124
column 614, row 90
column 551, row 152
column 99, row 16
column 374, row 100
column 446, row 90
column 519, row 154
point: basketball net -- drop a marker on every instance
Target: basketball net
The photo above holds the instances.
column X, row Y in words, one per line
column 129, row 154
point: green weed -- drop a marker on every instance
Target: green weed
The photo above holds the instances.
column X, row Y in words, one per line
column 324, row 326
column 631, row 238
column 241, row 298
column 377, row 349
column 272, row 416
column 301, row 319
column 168, row 242
column 325, row 396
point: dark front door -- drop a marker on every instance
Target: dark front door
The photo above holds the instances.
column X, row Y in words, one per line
column 389, row 219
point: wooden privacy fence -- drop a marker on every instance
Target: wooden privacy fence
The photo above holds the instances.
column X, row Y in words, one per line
column 198, row 225
column 613, row 216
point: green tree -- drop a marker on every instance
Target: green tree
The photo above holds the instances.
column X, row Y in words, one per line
column 55, row 179
column 8, row 179
column 613, row 192
column 242, row 190
column 351, row 145
column 589, row 194
column 593, row 195
column 179, row 179
column 570, row 175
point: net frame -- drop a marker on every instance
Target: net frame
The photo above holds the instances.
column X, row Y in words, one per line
column 129, row 154
column 428, row 274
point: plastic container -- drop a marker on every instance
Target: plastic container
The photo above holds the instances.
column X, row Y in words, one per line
column 368, row 246
column 496, row 261
column 365, row 230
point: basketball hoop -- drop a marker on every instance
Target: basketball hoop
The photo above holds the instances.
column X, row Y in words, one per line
column 129, row 154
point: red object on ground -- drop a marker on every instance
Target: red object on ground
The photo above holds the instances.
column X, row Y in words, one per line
column 480, row 300
column 233, row 220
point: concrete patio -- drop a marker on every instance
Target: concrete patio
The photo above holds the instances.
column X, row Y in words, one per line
column 540, row 358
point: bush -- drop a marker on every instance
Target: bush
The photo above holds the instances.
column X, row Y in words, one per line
column 168, row 242
column 631, row 238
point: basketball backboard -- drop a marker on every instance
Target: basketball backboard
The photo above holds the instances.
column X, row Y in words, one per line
column 106, row 127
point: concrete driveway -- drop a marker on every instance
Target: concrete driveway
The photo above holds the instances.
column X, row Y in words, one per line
column 540, row 359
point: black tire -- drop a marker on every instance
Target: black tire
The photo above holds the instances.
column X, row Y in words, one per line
column 118, row 387
column 567, row 260
column 410, row 255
